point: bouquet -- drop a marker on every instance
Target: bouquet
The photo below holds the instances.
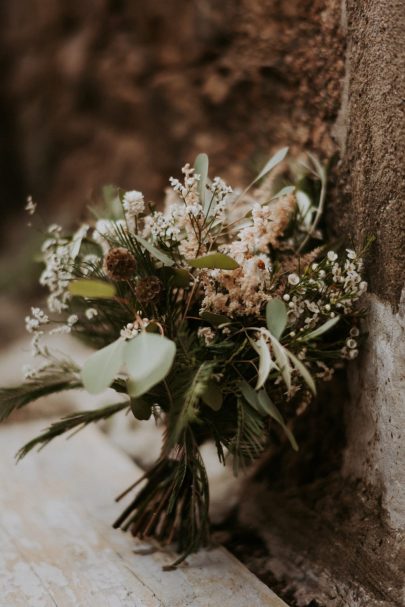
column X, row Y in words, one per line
column 217, row 316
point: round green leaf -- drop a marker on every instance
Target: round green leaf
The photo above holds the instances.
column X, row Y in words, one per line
column 100, row 370
column 95, row 289
column 218, row 261
column 148, row 360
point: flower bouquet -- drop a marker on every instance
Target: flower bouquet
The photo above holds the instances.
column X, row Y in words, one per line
column 216, row 315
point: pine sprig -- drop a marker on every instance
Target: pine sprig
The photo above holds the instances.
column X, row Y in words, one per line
column 47, row 383
column 70, row 422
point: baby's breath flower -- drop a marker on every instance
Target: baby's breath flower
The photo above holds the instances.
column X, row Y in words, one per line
column 31, row 206
column 293, row 279
column 207, row 334
column 90, row 313
column 133, row 203
column 332, row 256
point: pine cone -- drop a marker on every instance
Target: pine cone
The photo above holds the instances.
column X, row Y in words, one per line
column 148, row 289
column 119, row 264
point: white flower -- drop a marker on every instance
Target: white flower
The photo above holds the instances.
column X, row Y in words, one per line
column 133, row 203
column 91, row 313
column 293, row 279
column 34, row 322
column 351, row 254
column 351, row 343
column 354, row 332
column 72, row 320
column 31, row 206
column 332, row 256
column 132, row 329
column 207, row 334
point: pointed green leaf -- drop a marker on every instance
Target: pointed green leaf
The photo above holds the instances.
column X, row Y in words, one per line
column 212, row 395
column 218, row 261
column 282, row 361
column 265, row 361
column 95, row 289
column 140, row 408
column 148, row 360
column 175, row 277
column 154, row 251
column 272, row 410
column 303, row 371
column 322, row 329
column 276, row 317
column 288, row 189
column 273, row 162
column 215, row 319
column 251, row 396
column 201, row 169
column 100, row 370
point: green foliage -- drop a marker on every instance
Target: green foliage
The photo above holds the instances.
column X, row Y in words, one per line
column 51, row 380
column 92, row 289
column 218, row 261
column 69, row 423
column 276, row 317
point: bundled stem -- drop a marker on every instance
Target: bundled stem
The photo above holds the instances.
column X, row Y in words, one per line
column 172, row 507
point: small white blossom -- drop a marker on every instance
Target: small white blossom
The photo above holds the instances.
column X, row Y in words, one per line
column 132, row 329
column 332, row 256
column 207, row 334
column 91, row 313
column 293, row 279
column 133, row 203
column 31, row 206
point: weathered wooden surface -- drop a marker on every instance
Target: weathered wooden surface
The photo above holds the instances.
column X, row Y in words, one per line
column 57, row 546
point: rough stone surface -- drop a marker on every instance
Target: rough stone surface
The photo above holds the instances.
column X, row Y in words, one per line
column 376, row 417
column 370, row 131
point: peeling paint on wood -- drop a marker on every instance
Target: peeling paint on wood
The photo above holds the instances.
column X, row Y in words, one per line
column 57, row 546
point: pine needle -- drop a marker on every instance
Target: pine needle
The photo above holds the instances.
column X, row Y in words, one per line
column 70, row 422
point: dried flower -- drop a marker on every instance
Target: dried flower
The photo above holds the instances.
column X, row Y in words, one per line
column 148, row 289
column 119, row 264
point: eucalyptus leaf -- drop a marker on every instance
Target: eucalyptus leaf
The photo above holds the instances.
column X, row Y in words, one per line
column 94, row 289
column 215, row 319
column 322, row 329
column 251, row 396
column 154, row 251
column 77, row 240
column 303, row 371
column 288, row 189
column 175, row 277
column 273, row 162
column 276, row 317
column 201, row 169
column 218, row 261
column 273, row 411
column 265, row 362
column 212, row 395
column 282, row 361
column 100, row 368
column 140, row 408
column 148, row 358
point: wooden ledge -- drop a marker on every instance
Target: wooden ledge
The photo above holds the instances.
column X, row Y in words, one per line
column 57, row 546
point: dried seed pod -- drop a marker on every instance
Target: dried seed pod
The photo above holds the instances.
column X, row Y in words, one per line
column 119, row 264
column 148, row 289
